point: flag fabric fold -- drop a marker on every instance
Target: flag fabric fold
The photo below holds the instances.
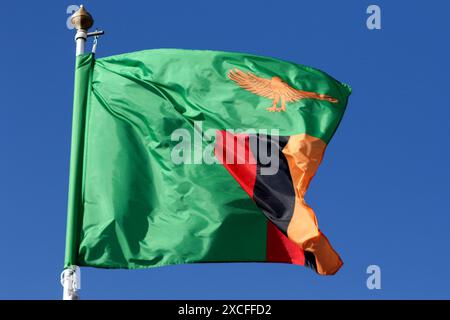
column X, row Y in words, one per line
column 168, row 166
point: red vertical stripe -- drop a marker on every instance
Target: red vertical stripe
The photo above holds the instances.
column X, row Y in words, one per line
column 227, row 144
column 281, row 249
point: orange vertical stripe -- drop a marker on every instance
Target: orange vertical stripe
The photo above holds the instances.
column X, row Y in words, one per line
column 304, row 154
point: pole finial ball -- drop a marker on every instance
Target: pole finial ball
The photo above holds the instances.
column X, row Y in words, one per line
column 81, row 19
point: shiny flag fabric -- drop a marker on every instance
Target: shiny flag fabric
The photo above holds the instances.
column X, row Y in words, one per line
column 132, row 206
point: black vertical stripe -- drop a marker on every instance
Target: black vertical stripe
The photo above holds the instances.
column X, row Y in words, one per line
column 274, row 194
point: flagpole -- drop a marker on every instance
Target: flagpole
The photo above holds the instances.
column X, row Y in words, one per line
column 82, row 21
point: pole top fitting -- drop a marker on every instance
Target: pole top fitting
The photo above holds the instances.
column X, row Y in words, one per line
column 81, row 19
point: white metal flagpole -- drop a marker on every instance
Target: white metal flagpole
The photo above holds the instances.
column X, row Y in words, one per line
column 82, row 21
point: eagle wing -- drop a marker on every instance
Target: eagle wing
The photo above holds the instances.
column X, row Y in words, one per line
column 252, row 83
column 292, row 95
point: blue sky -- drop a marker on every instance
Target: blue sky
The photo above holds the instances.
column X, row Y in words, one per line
column 381, row 194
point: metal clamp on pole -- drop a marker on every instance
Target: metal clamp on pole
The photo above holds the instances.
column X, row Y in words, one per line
column 71, row 282
column 96, row 34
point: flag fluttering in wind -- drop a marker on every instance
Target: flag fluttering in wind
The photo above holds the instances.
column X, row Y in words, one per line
column 183, row 156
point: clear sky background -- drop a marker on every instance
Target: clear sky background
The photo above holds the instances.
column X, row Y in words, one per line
column 381, row 194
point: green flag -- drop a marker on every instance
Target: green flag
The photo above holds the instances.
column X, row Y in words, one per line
column 183, row 156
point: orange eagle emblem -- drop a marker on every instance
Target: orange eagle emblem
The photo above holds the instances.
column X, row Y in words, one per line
column 275, row 89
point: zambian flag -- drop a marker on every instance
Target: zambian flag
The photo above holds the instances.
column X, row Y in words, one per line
column 183, row 156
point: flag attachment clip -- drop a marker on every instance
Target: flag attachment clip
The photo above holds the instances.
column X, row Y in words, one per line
column 71, row 282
